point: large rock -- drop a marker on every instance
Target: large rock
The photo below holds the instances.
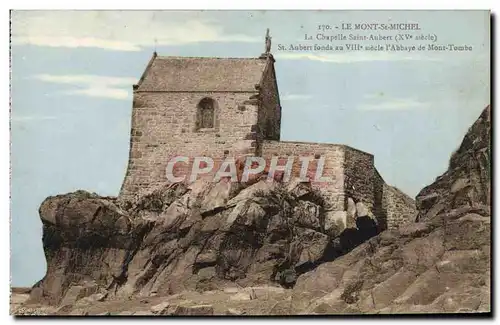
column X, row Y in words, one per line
column 186, row 237
column 161, row 308
column 467, row 180
column 76, row 293
column 310, row 247
column 86, row 237
column 217, row 197
column 351, row 213
column 308, row 215
column 201, row 310
column 335, row 222
column 440, row 264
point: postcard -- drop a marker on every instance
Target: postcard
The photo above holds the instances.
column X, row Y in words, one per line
column 249, row 163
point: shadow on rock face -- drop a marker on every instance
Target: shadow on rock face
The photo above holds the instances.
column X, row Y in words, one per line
column 367, row 228
column 350, row 238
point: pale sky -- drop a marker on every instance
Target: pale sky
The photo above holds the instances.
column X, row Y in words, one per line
column 72, row 76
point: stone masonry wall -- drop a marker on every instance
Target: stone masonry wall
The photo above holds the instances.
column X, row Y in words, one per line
column 359, row 176
column 401, row 208
column 396, row 207
column 333, row 167
column 364, row 183
column 380, row 209
column 163, row 126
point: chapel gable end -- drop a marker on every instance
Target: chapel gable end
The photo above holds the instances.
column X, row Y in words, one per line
column 270, row 109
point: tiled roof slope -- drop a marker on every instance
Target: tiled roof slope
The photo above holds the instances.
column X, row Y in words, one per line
column 202, row 74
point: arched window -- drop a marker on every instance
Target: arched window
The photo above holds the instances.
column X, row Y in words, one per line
column 206, row 114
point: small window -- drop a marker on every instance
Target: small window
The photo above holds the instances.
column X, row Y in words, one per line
column 206, row 114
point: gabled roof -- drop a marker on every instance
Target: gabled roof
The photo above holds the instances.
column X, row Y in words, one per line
column 202, row 74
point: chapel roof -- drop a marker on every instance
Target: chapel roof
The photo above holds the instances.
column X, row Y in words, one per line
column 207, row 74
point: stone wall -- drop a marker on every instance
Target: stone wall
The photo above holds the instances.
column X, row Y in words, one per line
column 164, row 126
column 333, row 167
column 395, row 207
column 380, row 208
column 401, row 208
column 359, row 176
column 364, row 183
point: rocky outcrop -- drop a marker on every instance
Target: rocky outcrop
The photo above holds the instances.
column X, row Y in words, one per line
column 439, row 264
column 198, row 237
column 226, row 248
column 467, row 180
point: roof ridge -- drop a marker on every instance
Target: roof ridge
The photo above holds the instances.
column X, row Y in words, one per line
column 208, row 57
